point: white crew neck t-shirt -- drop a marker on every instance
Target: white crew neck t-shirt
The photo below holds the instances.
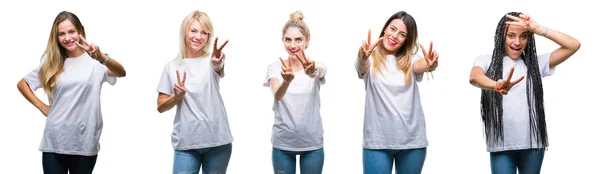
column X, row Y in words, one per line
column 515, row 116
column 201, row 120
column 74, row 123
column 297, row 125
column 394, row 116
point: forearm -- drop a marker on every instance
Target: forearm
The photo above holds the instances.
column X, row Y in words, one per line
column 167, row 103
column 281, row 90
column 115, row 67
column 420, row 66
column 29, row 95
column 480, row 80
column 564, row 40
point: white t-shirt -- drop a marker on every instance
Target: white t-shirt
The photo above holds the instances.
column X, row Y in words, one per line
column 394, row 117
column 298, row 125
column 74, row 122
column 201, row 120
column 515, row 116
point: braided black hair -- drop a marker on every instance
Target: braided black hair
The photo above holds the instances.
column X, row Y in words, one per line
column 491, row 101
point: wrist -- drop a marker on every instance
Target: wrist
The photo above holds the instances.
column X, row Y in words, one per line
column 103, row 59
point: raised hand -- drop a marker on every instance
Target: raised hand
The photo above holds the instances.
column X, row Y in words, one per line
column 309, row 65
column 367, row 48
column 286, row 70
column 179, row 88
column 503, row 86
column 524, row 21
column 431, row 57
column 217, row 55
column 92, row 49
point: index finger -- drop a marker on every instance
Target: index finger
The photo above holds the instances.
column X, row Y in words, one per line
column 283, row 63
column 184, row 77
column 430, row 46
column 178, row 79
column 423, row 50
column 83, row 40
column 510, row 74
column 369, row 37
column 222, row 46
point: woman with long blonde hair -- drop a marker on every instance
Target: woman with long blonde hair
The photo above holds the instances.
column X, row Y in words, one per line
column 394, row 128
column 295, row 84
column 201, row 136
column 72, row 73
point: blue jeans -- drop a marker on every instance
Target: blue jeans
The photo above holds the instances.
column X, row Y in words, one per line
column 214, row 159
column 527, row 161
column 54, row 163
column 379, row 161
column 311, row 162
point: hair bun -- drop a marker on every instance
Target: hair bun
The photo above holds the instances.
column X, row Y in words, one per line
column 297, row 16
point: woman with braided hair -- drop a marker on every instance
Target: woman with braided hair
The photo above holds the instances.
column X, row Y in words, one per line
column 513, row 111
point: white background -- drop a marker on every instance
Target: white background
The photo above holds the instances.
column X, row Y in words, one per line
column 143, row 36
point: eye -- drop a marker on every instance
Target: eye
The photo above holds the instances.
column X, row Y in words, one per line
column 61, row 34
column 511, row 36
column 298, row 40
column 204, row 32
column 288, row 40
column 71, row 32
column 524, row 36
column 403, row 35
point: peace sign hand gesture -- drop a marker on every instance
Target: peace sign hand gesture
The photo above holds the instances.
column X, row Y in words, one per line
column 217, row 55
column 431, row 57
column 503, row 86
column 524, row 21
column 92, row 49
column 367, row 48
column 286, row 70
column 309, row 65
column 179, row 88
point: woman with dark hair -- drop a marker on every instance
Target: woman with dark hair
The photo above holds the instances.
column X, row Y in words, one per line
column 513, row 112
column 394, row 122
column 71, row 73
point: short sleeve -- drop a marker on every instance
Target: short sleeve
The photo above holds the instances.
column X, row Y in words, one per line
column 483, row 61
column 320, row 64
column 106, row 78
column 273, row 71
column 413, row 59
column 544, row 64
column 165, row 85
column 33, row 79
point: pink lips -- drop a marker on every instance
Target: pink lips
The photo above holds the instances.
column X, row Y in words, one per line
column 392, row 42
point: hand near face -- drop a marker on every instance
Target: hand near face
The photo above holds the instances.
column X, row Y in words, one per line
column 367, row 47
column 524, row 21
column 309, row 65
column 92, row 49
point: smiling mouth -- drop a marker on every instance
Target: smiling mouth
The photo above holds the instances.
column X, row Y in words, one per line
column 392, row 42
column 515, row 49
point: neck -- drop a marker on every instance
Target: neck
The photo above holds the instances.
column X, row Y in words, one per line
column 74, row 53
column 192, row 54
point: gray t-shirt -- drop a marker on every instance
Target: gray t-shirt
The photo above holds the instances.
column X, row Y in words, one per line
column 515, row 114
column 201, row 120
column 74, row 123
column 298, row 125
column 394, row 117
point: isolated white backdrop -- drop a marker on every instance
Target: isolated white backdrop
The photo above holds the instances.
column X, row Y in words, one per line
column 143, row 36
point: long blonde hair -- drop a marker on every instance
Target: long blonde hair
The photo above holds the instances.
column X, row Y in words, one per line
column 55, row 54
column 185, row 25
column 296, row 20
column 406, row 51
